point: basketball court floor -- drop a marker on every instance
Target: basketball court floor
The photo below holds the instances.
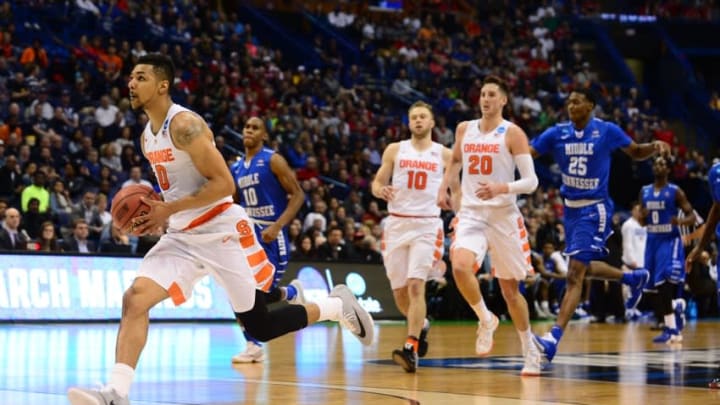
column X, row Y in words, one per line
column 189, row 363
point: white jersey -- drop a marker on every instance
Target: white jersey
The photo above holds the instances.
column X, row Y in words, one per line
column 486, row 158
column 417, row 176
column 175, row 172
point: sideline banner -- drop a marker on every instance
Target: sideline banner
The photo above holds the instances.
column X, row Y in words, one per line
column 84, row 287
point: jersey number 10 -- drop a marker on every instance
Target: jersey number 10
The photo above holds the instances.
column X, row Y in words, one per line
column 417, row 180
column 250, row 197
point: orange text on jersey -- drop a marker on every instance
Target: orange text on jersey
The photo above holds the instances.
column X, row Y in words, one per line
column 481, row 148
column 160, row 156
column 418, row 164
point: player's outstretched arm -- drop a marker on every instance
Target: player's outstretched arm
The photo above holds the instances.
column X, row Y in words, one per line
column 642, row 151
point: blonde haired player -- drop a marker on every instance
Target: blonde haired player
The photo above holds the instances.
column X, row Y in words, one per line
column 207, row 234
column 413, row 236
column 489, row 150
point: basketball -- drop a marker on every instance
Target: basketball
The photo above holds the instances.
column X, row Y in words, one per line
column 127, row 204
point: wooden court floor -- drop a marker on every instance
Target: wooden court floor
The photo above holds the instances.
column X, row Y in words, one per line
column 189, row 363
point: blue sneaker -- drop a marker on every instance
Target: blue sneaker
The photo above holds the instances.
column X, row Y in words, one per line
column 547, row 347
column 639, row 280
column 679, row 309
column 668, row 336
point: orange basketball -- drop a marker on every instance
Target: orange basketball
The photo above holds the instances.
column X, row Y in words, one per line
column 127, row 204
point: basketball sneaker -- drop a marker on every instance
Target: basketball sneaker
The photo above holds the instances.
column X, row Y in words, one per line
column 547, row 345
column 354, row 317
column 668, row 336
column 406, row 358
column 299, row 298
column 422, row 341
column 715, row 383
column 485, row 331
column 639, row 279
column 533, row 361
column 253, row 353
column 102, row 396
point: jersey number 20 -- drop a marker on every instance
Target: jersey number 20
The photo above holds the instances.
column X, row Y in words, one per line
column 480, row 164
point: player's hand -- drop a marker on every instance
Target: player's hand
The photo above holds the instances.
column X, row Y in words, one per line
column 155, row 219
column 270, row 233
column 487, row 191
column 690, row 259
column 387, row 193
column 661, row 148
column 443, row 199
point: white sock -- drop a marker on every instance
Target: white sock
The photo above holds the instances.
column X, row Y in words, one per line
column 670, row 321
column 483, row 314
column 426, row 323
column 545, row 306
column 121, row 377
column 330, row 309
column 525, row 338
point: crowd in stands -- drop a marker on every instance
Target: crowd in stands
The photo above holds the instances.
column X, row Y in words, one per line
column 68, row 138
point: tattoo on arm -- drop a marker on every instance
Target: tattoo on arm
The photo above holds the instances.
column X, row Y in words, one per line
column 191, row 129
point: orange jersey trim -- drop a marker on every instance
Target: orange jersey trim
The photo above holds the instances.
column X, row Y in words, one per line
column 413, row 216
column 208, row 215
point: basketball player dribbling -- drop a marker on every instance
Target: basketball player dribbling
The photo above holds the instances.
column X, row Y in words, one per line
column 207, row 234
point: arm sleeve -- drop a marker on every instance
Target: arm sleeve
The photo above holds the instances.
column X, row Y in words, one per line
column 528, row 181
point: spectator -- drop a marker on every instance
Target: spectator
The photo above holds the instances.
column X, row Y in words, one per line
column 136, row 178
column 316, row 219
column 306, row 250
column 88, row 212
column 102, row 207
column 47, row 110
column 334, row 250
column 78, row 241
column 60, row 203
column 12, row 237
column 111, row 157
column 116, row 241
column 47, row 241
column 12, row 126
column 107, row 113
column 33, row 219
column 10, row 179
column 364, row 248
column 442, row 134
column 36, row 191
column 34, row 54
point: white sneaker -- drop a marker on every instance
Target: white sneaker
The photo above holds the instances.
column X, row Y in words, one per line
column 300, row 296
column 252, row 354
column 484, row 342
column 102, row 396
column 533, row 361
column 354, row 317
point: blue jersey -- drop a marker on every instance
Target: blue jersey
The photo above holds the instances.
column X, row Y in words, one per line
column 714, row 182
column 661, row 207
column 260, row 192
column 583, row 156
